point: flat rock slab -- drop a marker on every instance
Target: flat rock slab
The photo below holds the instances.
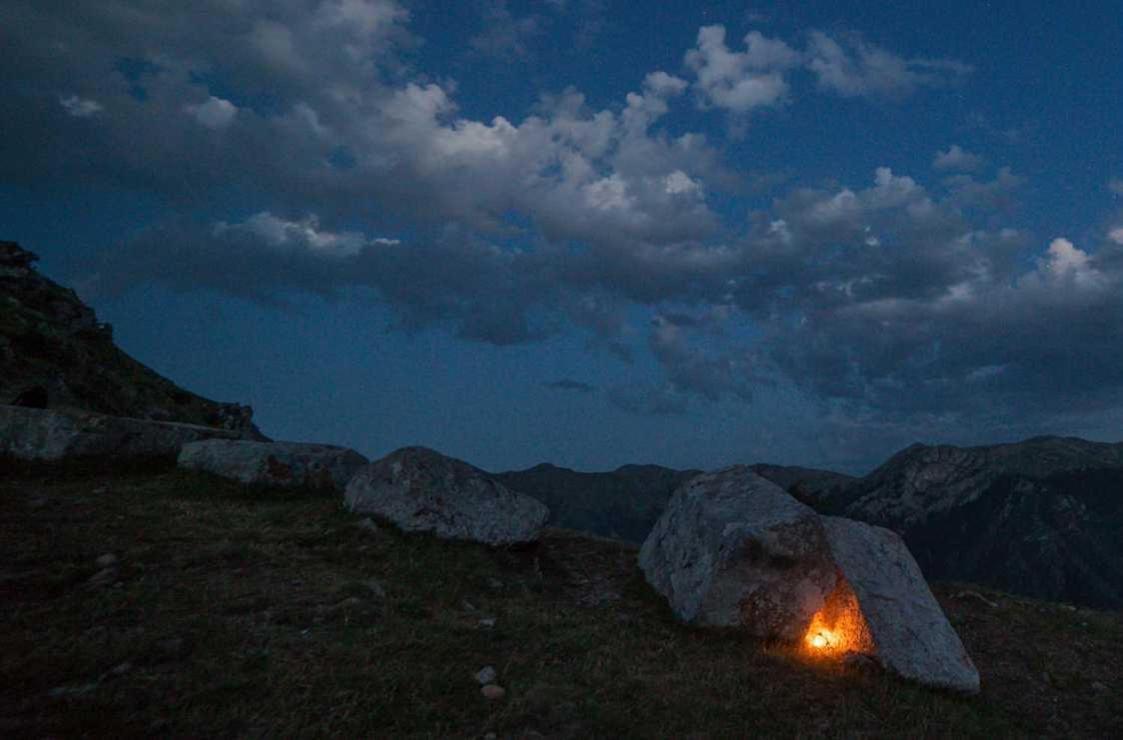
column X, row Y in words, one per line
column 734, row 549
column 910, row 633
column 283, row 464
column 53, row 434
column 421, row 490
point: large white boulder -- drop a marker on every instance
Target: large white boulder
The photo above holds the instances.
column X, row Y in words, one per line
column 52, row 434
column 283, row 464
column 734, row 549
column 421, row 490
column 909, row 632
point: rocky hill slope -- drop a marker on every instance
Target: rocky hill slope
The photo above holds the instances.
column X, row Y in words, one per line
column 54, row 353
column 1042, row 517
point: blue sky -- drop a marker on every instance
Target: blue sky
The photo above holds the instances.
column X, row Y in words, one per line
column 586, row 231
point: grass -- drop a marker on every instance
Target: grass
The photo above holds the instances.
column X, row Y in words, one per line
column 235, row 611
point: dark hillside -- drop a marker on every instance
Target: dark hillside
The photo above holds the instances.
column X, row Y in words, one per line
column 623, row 503
column 54, row 353
column 223, row 611
column 1042, row 517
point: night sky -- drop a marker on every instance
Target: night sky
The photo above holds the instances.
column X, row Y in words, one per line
column 587, row 231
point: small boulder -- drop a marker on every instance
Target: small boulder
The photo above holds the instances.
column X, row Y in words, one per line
column 420, row 490
column 734, row 549
column 284, row 464
column 106, row 560
column 486, row 675
column 910, row 634
column 493, row 692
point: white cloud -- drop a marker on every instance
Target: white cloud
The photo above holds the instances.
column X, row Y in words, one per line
column 957, row 158
column 303, row 235
column 740, row 81
column 678, row 183
column 854, row 68
column 1116, row 235
column 1065, row 262
column 215, row 114
column 1115, row 185
column 79, row 107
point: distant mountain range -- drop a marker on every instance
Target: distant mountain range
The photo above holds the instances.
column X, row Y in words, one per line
column 1043, row 517
column 622, row 503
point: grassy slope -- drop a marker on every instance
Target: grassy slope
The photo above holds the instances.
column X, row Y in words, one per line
column 242, row 612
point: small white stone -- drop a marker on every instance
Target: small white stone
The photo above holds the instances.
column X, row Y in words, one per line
column 106, row 560
column 493, row 692
column 487, row 622
column 486, row 675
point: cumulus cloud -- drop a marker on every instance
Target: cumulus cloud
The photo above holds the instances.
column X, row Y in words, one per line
column 894, row 301
column 852, row 67
column 1116, row 235
column 1115, row 185
column 740, row 81
column 958, row 159
column 215, row 113
column 79, row 107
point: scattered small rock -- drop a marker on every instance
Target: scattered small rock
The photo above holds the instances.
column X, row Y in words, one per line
column 375, row 587
column 38, row 502
column 106, row 560
column 467, row 606
column 100, row 490
column 103, row 577
column 490, row 736
column 79, row 690
column 495, row 584
column 486, row 675
column 1068, row 607
column 494, row 692
column 976, row 596
column 347, row 603
column 487, row 622
column 1097, row 686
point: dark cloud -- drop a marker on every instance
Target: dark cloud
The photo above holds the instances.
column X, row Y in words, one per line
column 567, row 384
column 648, row 400
column 896, row 305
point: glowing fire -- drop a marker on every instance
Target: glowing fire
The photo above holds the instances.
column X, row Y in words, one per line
column 839, row 626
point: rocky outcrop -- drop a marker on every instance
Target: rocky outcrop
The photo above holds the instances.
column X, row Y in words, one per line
column 733, row 549
column 1039, row 517
column 421, row 490
column 49, row 434
column 54, row 353
column 924, row 480
column 282, row 464
column 902, row 626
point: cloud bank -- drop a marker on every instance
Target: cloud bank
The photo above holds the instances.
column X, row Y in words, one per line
column 895, row 302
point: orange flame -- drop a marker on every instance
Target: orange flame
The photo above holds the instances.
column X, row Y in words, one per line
column 839, row 626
